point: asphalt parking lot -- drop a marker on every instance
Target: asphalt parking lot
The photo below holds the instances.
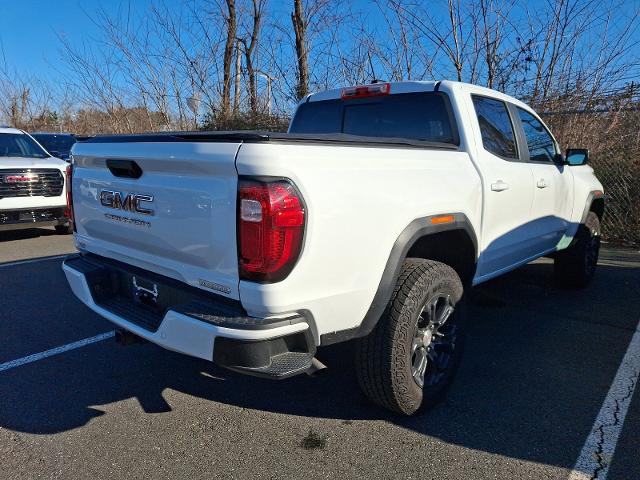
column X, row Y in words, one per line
column 539, row 366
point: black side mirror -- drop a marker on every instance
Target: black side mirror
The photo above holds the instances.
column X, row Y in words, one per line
column 577, row 156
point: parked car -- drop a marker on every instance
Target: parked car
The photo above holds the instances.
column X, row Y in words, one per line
column 32, row 184
column 57, row 144
column 368, row 220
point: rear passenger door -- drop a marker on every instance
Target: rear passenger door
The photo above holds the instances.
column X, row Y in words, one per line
column 553, row 182
column 507, row 238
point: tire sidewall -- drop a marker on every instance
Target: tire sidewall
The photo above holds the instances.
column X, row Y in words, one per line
column 572, row 268
column 591, row 234
column 407, row 390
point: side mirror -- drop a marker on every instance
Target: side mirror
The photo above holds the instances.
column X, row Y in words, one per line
column 577, row 156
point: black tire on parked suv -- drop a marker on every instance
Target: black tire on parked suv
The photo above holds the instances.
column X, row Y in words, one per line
column 64, row 229
column 575, row 266
column 410, row 358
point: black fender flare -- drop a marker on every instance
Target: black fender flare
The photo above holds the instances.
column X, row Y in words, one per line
column 418, row 228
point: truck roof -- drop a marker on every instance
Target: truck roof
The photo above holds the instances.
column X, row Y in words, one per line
column 396, row 87
column 414, row 86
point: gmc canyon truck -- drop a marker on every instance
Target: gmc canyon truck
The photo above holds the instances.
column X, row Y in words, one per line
column 366, row 221
column 32, row 184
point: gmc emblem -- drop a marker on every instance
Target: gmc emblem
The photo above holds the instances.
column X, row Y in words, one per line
column 27, row 177
column 130, row 203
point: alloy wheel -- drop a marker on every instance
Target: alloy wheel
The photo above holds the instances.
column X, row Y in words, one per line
column 434, row 341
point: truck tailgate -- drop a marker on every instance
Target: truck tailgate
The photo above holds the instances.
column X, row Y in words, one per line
column 184, row 225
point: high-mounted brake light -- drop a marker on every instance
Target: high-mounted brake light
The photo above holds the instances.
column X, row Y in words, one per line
column 373, row 90
column 271, row 219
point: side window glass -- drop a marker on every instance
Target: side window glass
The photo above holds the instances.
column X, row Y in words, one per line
column 539, row 142
column 495, row 126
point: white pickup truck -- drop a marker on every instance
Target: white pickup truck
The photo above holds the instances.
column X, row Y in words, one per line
column 32, row 184
column 365, row 221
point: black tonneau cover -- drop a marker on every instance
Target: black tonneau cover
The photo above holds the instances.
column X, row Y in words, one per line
column 250, row 136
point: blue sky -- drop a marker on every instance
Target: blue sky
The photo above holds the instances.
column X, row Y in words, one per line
column 30, row 30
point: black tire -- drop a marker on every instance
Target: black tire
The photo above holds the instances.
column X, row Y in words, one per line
column 386, row 358
column 576, row 266
column 64, row 229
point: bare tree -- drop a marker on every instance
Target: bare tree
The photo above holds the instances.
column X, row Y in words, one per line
column 456, row 31
column 491, row 36
column 238, row 74
column 584, row 46
column 447, row 37
column 249, row 51
column 142, row 66
column 300, row 29
column 228, row 57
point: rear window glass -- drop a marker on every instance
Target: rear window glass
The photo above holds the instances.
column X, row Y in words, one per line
column 415, row 116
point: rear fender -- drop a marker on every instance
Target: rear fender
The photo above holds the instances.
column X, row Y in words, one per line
column 415, row 231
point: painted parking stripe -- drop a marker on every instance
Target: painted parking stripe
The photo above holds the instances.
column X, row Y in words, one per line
column 33, row 260
column 597, row 452
column 55, row 351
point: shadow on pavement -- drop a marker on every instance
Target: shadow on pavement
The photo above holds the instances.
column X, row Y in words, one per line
column 537, row 366
column 12, row 235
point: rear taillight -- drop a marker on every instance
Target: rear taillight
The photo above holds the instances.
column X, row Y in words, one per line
column 271, row 219
column 69, row 211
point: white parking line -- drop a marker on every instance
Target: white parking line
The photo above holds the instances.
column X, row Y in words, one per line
column 32, row 260
column 55, row 351
column 597, row 452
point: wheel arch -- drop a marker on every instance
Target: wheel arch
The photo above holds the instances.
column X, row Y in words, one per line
column 453, row 242
column 595, row 203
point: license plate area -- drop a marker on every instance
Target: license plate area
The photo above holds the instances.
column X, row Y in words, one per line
column 143, row 303
column 146, row 302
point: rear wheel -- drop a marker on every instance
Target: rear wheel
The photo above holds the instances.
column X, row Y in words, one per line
column 410, row 358
column 576, row 266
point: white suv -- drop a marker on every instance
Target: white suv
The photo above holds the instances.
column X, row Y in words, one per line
column 32, row 184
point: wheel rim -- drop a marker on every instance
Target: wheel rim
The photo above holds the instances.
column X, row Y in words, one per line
column 433, row 341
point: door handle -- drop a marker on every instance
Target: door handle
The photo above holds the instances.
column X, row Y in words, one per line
column 542, row 183
column 499, row 186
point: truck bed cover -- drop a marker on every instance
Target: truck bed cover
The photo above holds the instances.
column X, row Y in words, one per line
column 250, row 136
